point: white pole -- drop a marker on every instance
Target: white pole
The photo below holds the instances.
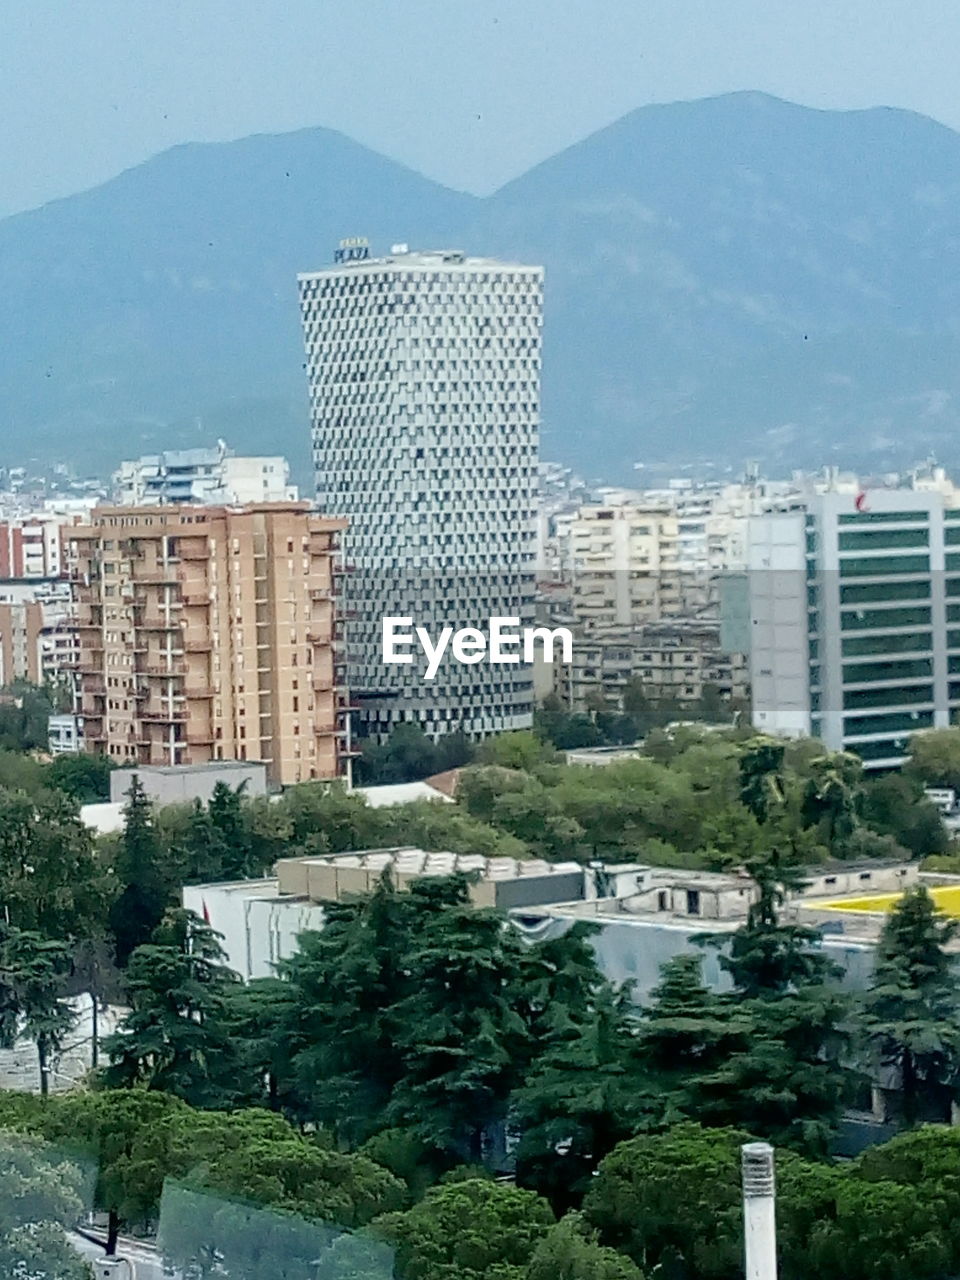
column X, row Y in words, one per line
column 759, row 1211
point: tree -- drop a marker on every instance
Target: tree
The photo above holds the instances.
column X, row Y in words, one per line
column 50, row 880
column 470, row 1230
column 672, row 1200
column 457, row 1030
column 580, row 1099
column 784, row 1075
column 829, row 799
column 894, row 804
column 258, row 1157
column 686, row 1032
column 408, row 754
column 912, row 1008
column 144, row 896
column 346, row 982
column 570, row 1251
column 32, row 973
column 933, row 758
column 85, row 778
column 761, row 777
column 767, row 958
column 126, row 1134
column 520, row 749
column 41, row 1196
column 176, row 1035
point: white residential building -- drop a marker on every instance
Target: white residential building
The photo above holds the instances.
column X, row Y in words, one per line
column 210, row 476
column 855, row 619
column 424, row 374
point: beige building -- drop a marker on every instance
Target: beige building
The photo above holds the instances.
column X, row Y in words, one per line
column 209, row 633
column 21, row 623
column 621, row 563
column 674, row 661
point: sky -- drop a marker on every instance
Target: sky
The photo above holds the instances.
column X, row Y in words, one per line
column 468, row 92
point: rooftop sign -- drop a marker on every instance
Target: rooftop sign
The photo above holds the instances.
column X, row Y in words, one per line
column 353, row 249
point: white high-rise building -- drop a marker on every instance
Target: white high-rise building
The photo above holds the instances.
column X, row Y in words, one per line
column 424, row 372
column 214, row 476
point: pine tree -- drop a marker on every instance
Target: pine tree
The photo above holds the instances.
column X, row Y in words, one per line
column 345, row 981
column 685, row 1033
column 912, row 1008
column 34, row 969
column 582, row 1096
column 143, row 898
column 765, row 957
column 458, row 1031
column 784, row 1077
column 176, row 1036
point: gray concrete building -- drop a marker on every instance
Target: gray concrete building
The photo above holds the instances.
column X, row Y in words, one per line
column 182, row 784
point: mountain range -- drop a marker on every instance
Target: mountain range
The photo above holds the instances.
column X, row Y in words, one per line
column 737, row 277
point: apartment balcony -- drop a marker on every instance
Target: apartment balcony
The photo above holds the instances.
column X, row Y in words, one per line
column 165, row 669
column 199, row 737
column 319, row 635
column 188, row 552
column 321, row 593
column 172, row 715
column 198, row 691
column 159, row 624
column 195, row 599
column 322, row 684
column 197, row 644
column 158, row 578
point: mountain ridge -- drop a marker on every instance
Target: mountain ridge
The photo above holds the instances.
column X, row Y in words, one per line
column 737, row 276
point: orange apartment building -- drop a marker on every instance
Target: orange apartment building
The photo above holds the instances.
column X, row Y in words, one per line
column 210, row 633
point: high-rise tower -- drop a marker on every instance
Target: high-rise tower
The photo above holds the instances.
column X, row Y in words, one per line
column 424, row 373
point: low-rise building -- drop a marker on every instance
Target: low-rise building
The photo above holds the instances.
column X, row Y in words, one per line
column 182, row 784
column 215, row 475
column 261, row 920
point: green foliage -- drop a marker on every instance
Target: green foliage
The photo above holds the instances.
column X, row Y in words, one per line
column 912, row 1009
column 84, row 778
column 346, row 982
column 894, row 805
column 462, row 1043
column 144, row 895
column 672, row 1200
column 50, row 880
column 570, row 1251
column 125, row 1133
column 933, row 758
column 24, row 713
column 40, row 1196
column 32, row 970
column 175, row 1037
column 472, row 1230
column 408, row 755
column 581, row 1098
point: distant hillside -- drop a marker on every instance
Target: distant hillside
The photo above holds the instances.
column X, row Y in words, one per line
column 727, row 278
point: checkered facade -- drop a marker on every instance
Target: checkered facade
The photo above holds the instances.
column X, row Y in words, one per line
column 424, row 375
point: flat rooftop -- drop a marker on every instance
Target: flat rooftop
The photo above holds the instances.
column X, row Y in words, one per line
column 418, row 862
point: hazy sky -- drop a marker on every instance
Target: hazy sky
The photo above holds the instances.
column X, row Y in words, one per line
column 470, row 92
